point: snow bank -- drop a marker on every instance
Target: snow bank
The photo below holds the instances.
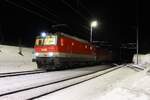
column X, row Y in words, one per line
column 135, row 87
column 142, row 58
column 12, row 60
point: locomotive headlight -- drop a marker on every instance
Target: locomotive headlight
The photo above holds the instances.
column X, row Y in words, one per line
column 36, row 54
column 43, row 34
column 50, row 54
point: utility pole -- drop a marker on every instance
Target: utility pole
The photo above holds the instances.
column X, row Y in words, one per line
column 137, row 31
column 137, row 44
column 1, row 35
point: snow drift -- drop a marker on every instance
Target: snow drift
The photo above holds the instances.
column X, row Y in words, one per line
column 142, row 58
column 13, row 58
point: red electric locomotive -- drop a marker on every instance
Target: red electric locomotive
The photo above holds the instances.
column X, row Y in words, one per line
column 58, row 51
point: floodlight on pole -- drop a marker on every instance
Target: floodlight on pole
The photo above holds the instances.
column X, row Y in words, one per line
column 93, row 24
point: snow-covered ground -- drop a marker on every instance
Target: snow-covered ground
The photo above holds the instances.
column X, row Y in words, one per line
column 12, row 61
column 135, row 87
column 122, row 84
column 26, row 81
column 44, row 78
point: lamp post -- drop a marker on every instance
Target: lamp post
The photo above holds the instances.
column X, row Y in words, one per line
column 137, row 32
column 93, row 24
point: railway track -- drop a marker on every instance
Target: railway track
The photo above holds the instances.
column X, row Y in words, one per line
column 21, row 73
column 51, row 87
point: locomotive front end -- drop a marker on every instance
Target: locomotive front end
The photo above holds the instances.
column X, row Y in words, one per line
column 44, row 50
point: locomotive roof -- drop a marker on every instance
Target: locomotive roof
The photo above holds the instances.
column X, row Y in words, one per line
column 69, row 36
column 78, row 39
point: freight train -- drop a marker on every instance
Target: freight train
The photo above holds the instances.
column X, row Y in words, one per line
column 58, row 50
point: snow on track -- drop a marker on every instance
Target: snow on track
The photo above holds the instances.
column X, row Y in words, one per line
column 93, row 89
column 21, row 82
column 50, row 88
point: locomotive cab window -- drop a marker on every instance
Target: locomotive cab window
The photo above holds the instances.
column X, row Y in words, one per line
column 48, row 40
column 39, row 42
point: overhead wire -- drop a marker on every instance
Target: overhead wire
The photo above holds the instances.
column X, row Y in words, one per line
column 76, row 11
column 45, row 9
column 83, row 26
column 31, row 11
column 44, row 6
column 38, row 14
column 83, row 6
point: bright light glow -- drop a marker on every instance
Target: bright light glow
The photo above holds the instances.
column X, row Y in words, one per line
column 43, row 34
column 50, row 54
column 36, row 54
column 93, row 23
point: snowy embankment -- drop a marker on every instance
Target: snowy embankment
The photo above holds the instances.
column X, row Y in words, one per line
column 11, row 60
column 135, row 87
column 142, row 59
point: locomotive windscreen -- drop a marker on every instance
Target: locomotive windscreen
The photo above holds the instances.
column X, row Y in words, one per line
column 48, row 40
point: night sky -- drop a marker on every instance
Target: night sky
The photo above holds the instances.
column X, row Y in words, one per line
column 22, row 20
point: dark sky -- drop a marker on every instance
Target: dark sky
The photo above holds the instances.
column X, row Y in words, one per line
column 25, row 19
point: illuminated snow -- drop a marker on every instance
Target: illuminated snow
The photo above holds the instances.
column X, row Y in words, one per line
column 11, row 60
column 123, row 84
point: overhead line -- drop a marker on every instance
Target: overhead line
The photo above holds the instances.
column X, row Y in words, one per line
column 83, row 6
column 52, row 13
column 66, row 3
column 45, row 7
column 31, row 2
column 38, row 14
column 31, row 11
